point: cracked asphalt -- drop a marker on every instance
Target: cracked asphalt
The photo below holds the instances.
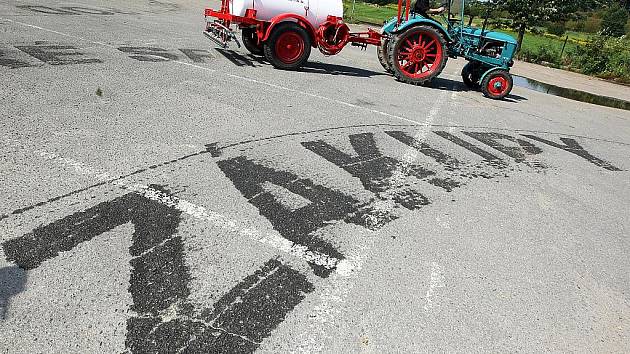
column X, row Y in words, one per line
column 160, row 195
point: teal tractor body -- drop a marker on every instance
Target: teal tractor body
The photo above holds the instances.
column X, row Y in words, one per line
column 416, row 46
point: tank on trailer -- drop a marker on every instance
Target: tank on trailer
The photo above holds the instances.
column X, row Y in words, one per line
column 315, row 11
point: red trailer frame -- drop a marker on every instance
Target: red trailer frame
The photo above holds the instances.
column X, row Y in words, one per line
column 219, row 29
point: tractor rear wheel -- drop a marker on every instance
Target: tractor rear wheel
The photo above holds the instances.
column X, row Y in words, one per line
column 418, row 55
column 470, row 76
column 497, row 84
column 250, row 41
column 288, row 46
column 381, row 53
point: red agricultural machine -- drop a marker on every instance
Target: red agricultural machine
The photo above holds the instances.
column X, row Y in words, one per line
column 413, row 46
column 284, row 31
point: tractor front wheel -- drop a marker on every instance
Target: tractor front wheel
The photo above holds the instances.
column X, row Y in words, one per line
column 288, row 47
column 497, row 84
column 418, row 55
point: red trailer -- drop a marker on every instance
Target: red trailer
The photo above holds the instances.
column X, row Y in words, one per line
column 284, row 38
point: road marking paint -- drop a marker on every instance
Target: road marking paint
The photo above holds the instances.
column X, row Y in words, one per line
column 337, row 289
column 97, row 42
column 272, row 239
column 437, row 281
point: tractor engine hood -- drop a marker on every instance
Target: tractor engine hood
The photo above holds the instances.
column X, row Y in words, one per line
column 498, row 36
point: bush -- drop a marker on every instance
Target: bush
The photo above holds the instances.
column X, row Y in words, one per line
column 614, row 21
column 544, row 53
column 618, row 65
column 556, row 28
column 536, row 30
column 592, row 25
column 591, row 58
column 576, row 26
column 604, row 57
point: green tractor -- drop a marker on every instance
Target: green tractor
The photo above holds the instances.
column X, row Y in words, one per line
column 415, row 48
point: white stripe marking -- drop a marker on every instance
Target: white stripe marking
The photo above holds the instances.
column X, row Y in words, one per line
column 437, row 281
column 337, row 289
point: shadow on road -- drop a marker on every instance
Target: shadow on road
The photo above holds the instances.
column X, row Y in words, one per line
column 12, row 282
column 441, row 83
column 239, row 59
column 336, row 69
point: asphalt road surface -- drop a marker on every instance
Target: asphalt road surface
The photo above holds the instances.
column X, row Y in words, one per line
column 160, row 195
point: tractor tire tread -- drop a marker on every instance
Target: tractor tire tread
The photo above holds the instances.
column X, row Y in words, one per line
column 383, row 58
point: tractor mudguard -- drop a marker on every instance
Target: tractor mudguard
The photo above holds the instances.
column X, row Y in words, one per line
column 414, row 20
column 297, row 18
column 489, row 71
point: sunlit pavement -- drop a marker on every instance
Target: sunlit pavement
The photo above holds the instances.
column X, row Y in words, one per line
column 159, row 195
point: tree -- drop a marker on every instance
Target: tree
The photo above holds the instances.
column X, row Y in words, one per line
column 474, row 9
column 614, row 21
column 527, row 13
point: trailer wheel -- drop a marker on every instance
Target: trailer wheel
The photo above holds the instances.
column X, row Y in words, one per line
column 381, row 53
column 470, row 76
column 418, row 55
column 288, row 46
column 250, row 41
column 497, row 84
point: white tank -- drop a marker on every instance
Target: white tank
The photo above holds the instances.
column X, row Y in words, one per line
column 316, row 11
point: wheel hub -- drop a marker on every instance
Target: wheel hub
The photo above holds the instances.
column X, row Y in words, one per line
column 498, row 85
column 419, row 54
column 289, row 47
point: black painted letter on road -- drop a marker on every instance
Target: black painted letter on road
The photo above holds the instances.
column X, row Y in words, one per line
column 376, row 171
column 519, row 153
column 151, row 54
column 159, row 281
column 296, row 223
column 572, row 146
column 57, row 54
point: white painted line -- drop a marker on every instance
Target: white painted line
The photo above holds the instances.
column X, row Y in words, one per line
column 334, row 293
column 436, row 281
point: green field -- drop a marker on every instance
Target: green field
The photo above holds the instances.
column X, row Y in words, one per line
column 368, row 13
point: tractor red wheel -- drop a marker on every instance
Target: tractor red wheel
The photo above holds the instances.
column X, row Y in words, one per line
column 288, row 47
column 418, row 55
column 497, row 84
